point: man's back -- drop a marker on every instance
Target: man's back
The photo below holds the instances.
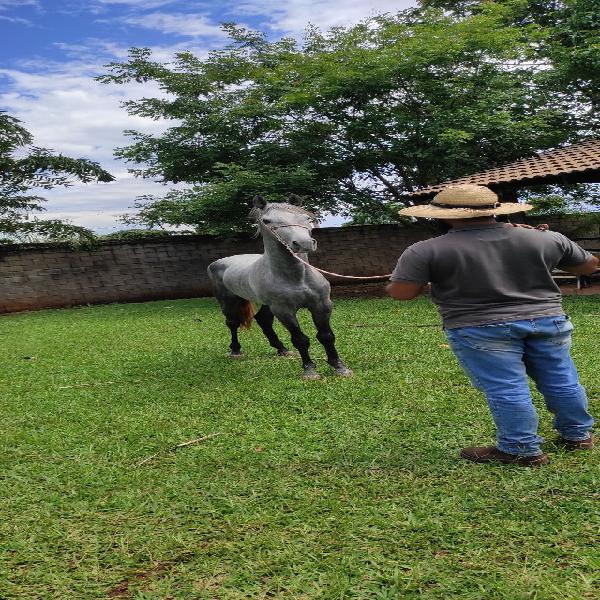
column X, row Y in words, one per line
column 491, row 273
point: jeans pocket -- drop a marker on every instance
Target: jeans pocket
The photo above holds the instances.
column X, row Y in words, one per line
column 564, row 327
column 490, row 338
column 563, row 324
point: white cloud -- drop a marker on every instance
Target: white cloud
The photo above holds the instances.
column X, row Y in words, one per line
column 99, row 221
column 8, row 4
column 102, row 7
column 17, row 20
column 66, row 110
column 99, row 206
column 192, row 25
column 92, row 50
column 71, row 113
column 138, row 4
column 293, row 16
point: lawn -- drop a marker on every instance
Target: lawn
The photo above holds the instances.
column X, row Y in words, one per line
column 338, row 488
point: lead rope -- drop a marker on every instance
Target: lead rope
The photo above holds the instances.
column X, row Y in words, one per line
column 272, row 230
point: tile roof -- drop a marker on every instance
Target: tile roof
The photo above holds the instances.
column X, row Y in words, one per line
column 573, row 162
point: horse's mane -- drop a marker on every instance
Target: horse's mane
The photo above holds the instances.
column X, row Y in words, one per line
column 256, row 212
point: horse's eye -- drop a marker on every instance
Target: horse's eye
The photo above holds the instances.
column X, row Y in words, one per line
column 266, row 221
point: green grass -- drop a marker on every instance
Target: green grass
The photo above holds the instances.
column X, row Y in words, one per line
column 339, row 488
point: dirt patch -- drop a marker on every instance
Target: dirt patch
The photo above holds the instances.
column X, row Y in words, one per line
column 360, row 290
column 571, row 290
column 122, row 589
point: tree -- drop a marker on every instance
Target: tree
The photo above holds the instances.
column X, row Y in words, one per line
column 564, row 199
column 567, row 51
column 353, row 118
column 41, row 169
column 567, row 42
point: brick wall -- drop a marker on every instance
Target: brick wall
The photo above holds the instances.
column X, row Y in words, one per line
column 45, row 276
column 586, row 233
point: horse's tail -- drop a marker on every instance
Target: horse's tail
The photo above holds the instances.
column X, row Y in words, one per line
column 246, row 314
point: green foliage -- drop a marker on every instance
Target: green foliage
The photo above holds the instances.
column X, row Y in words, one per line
column 137, row 234
column 587, row 224
column 223, row 205
column 550, row 204
column 567, row 199
column 352, row 118
column 567, row 42
column 575, row 49
column 372, row 213
column 33, row 231
column 39, row 168
column 336, row 489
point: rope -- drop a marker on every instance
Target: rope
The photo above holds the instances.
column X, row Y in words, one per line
column 323, row 271
column 387, row 276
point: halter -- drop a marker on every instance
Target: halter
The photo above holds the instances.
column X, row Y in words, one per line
column 273, row 228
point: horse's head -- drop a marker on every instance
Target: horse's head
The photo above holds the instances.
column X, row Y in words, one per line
column 286, row 221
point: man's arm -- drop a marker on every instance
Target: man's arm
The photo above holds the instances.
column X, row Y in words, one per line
column 411, row 273
column 586, row 268
column 404, row 290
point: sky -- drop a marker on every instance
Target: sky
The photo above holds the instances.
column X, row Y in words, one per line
column 51, row 50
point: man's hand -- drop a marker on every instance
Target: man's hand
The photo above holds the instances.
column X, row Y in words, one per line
column 540, row 227
column 404, row 290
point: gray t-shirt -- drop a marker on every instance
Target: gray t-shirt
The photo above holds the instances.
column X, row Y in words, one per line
column 491, row 273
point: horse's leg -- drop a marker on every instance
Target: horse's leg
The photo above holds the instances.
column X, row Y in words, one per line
column 231, row 307
column 231, row 310
column 235, row 348
column 299, row 340
column 237, row 310
column 264, row 317
column 321, row 315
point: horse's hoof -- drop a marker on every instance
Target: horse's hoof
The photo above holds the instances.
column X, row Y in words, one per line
column 310, row 375
column 236, row 355
column 344, row 372
column 285, row 353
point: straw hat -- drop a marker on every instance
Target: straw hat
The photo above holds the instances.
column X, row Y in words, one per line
column 464, row 202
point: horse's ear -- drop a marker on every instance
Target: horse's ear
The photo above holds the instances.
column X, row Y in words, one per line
column 259, row 202
column 295, row 199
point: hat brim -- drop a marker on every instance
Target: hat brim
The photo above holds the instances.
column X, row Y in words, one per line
column 434, row 212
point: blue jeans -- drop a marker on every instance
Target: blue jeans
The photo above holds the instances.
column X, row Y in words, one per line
column 498, row 357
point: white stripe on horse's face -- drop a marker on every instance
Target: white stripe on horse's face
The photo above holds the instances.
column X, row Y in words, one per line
column 292, row 226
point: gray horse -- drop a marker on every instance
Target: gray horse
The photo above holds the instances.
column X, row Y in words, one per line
column 278, row 282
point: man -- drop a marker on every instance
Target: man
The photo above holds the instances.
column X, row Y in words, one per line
column 502, row 315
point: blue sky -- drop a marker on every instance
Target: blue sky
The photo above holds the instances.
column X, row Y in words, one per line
column 50, row 51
